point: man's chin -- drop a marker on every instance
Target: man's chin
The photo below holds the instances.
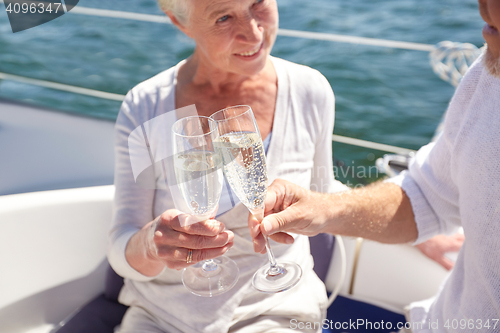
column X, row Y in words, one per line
column 492, row 63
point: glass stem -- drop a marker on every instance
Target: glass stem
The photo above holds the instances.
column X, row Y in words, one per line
column 270, row 254
column 274, row 269
column 209, row 265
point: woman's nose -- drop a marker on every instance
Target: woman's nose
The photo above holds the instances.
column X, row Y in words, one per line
column 250, row 31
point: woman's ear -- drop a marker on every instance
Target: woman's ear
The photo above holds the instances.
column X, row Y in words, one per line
column 182, row 27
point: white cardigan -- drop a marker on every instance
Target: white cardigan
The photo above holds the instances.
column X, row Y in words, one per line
column 456, row 182
column 300, row 151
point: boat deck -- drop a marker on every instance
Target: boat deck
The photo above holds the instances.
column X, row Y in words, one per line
column 52, row 149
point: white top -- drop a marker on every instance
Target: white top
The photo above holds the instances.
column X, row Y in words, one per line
column 456, row 182
column 300, row 151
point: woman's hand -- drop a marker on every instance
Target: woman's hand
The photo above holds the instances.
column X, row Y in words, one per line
column 167, row 240
column 437, row 247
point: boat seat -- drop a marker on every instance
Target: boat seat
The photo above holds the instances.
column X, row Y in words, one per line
column 64, row 267
column 104, row 312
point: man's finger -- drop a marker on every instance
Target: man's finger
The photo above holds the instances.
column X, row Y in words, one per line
column 259, row 243
column 282, row 237
column 281, row 221
column 253, row 226
column 270, row 201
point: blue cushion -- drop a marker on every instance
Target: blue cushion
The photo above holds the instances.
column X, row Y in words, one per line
column 114, row 284
column 99, row 316
column 321, row 249
column 346, row 310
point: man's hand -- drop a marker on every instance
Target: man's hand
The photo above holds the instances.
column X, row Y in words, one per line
column 288, row 208
column 381, row 212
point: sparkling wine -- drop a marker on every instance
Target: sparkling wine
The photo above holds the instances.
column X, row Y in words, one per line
column 245, row 166
column 245, row 169
column 200, row 178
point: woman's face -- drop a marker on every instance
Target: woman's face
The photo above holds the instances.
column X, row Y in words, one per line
column 234, row 35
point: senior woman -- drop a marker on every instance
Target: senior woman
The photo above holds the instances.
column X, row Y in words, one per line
column 294, row 109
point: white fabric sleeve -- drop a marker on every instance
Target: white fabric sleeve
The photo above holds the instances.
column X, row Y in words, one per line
column 431, row 189
column 133, row 206
column 322, row 178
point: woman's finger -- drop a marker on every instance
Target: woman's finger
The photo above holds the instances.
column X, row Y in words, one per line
column 178, row 221
column 177, row 257
column 205, row 228
column 175, row 238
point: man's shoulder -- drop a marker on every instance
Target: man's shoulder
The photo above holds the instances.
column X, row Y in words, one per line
column 474, row 72
column 469, row 85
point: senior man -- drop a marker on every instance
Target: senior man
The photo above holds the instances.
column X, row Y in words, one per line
column 452, row 182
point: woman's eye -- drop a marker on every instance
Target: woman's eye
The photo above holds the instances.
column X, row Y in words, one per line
column 258, row 1
column 223, row 18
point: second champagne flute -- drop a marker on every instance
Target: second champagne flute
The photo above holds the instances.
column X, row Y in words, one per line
column 198, row 169
column 245, row 169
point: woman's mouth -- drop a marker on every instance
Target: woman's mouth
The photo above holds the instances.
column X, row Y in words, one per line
column 250, row 53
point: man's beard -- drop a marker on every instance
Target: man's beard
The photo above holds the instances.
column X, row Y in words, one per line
column 491, row 63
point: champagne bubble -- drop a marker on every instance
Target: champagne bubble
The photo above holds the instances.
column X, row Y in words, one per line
column 244, row 167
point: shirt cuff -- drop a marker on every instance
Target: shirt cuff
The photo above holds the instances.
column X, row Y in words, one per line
column 338, row 186
column 118, row 260
column 425, row 217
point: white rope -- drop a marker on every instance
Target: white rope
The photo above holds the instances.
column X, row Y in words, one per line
column 450, row 61
column 343, row 271
column 370, row 145
column 63, row 87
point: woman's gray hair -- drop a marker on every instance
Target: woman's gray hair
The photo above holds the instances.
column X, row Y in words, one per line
column 179, row 8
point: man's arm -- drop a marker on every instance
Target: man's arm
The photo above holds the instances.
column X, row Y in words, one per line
column 381, row 212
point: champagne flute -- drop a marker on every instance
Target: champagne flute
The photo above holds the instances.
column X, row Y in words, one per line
column 245, row 169
column 198, row 171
